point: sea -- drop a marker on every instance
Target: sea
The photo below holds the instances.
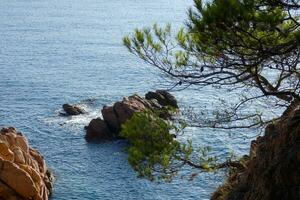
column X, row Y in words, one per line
column 71, row 51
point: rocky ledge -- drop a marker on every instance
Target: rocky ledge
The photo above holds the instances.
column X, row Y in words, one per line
column 24, row 174
column 273, row 168
column 114, row 116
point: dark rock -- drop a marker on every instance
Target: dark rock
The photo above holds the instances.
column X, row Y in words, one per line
column 272, row 171
column 98, row 130
column 154, row 95
column 163, row 97
column 73, row 110
column 170, row 99
column 154, row 104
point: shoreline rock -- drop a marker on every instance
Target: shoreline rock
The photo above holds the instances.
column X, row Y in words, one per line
column 24, row 174
column 273, row 168
column 114, row 116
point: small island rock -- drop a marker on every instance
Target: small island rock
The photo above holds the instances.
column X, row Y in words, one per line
column 115, row 116
column 72, row 109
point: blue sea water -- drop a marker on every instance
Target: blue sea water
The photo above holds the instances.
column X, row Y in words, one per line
column 70, row 51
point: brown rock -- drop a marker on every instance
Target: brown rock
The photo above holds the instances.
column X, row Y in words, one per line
column 127, row 108
column 22, row 175
column 22, row 143
column 273, row 171
column 111, row 118
column 19, row 157
column 98, row 130
column 18, row 180
column 5, row 152
column 116, row 115
column 38, row 161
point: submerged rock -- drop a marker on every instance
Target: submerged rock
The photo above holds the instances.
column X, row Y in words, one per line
column 116, row 115
column 273, row 168
column 72, row 109
column 24, row 174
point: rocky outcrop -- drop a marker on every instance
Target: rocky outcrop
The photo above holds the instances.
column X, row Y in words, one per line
column 98, row 130
column 273, row 168
column 163, row 97
column 72, row 109
column 23, row 174
column 116, row 115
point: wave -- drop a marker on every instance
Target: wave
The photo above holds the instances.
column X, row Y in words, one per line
column 75, row 122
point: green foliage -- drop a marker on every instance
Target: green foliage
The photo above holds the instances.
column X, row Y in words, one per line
column 143, row 39
column 239, row 26
column 151, row 143
column 155, row 153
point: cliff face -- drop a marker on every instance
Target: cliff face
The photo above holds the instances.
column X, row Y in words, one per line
column 273, row 169
column 23, row 174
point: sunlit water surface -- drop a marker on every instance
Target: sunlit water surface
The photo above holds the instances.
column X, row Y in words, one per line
column 58, row 51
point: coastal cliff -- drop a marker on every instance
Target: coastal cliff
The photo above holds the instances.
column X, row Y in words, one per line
column 273, row 168
column 24, row 174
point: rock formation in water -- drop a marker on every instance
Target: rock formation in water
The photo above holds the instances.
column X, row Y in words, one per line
column 273, row 169
column 72, row 109
column 116, row 115
column 163, row 97
column 24, row 174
